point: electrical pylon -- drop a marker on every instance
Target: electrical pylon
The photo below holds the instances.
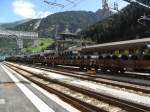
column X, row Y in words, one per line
column 105, row 5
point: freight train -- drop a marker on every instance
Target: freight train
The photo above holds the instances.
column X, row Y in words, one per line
column 118, row 57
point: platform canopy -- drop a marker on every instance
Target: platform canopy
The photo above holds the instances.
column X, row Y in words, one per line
column 120, row 45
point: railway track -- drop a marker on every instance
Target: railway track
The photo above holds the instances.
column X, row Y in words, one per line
column 124, row 105
column 42, row 82
column 101, row 75
column 126, row 74
column 135, row 87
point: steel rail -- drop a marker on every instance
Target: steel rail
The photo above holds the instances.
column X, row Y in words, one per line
column 129, row 106
column 98, row 79
column 81, row 105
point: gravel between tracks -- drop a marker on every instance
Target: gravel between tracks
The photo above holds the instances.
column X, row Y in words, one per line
column 144, row 100
column 80, row 96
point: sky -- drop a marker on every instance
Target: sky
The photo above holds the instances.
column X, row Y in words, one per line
column 14, row 10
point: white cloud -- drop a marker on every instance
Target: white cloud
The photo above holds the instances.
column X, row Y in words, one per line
column 26, row 9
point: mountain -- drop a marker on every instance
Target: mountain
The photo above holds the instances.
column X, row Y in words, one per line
column 31, row 25
column 73, row 21
column 13, row 24
column 123, row 25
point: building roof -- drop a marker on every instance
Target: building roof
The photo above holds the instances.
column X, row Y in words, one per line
column 68, row 34
column 118, row 45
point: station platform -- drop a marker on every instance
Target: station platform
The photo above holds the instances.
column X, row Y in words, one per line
column 17, row 94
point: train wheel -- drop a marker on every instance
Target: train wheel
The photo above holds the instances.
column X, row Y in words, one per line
column 104, row 69
column 81, row 68
column 115, row 71
column 122, row 71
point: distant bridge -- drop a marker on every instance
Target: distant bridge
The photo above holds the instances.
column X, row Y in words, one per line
column 19, row 36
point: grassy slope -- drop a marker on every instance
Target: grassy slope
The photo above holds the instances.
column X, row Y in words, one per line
column 41, row 44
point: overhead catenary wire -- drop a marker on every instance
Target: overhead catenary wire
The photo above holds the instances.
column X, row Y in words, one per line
column 54, row 4
column 61, row 5
column 140, row 3
column 70, row 1
column 76, row 3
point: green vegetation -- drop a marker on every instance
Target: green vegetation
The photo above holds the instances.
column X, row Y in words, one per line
column 8, row 43
column 41, row 44
column 9, row 46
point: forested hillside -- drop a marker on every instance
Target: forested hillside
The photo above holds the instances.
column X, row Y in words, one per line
column 71, row 20
column 121, row 26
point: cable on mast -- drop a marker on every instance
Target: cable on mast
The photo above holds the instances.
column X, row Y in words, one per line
column 143, row 19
